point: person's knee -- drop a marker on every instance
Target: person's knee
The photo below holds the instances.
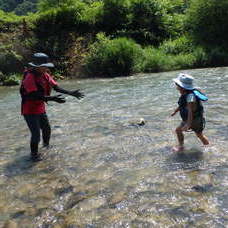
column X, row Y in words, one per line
column 199, row 134
column 35, row 138
column 178, row 130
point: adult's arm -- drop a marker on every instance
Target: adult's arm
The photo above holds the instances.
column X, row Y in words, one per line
column 75, row 93
column 37, row 95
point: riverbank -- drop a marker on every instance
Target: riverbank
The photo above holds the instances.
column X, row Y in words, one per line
column 104, row 171
column 81, row 43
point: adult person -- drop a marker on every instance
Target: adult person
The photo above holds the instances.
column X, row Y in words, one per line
column 35, row 91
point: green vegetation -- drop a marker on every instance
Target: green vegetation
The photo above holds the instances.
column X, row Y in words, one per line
column 111, row 37
column 20, row 7
column 120, row 56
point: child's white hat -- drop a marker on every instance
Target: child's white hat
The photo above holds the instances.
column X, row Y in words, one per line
column 184, row 81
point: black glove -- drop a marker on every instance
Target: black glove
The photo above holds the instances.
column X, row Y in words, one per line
column 77, row 94
column 56, row 98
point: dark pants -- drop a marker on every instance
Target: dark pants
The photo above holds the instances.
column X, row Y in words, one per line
column 37, row 122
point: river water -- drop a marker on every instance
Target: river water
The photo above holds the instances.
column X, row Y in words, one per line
column 104, row 170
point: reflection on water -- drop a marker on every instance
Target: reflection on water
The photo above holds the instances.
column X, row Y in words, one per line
column 105, row 170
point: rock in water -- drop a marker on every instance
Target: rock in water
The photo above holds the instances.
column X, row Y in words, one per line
column 141, row 122
column 138, row 123
column 10, row 224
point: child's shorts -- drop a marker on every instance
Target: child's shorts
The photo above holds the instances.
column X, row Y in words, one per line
column 198, row 124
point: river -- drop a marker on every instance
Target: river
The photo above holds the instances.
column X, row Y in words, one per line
column 103, row 170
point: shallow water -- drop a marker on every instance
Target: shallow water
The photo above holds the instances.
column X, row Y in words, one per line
column 105, row 171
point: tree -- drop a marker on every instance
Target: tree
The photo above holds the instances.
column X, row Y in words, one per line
column 148, row 24
column 25, row 7
column 208, row 24
column 45, row 5
column 115, row 15
column 20, row 7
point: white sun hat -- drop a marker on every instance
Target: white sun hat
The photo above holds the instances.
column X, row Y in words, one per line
column 185, row 81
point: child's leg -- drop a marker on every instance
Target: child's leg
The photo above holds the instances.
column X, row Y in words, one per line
column 202, row 138
column 180, row 137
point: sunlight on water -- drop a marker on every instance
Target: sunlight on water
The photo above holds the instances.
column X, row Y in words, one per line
column 105, row 170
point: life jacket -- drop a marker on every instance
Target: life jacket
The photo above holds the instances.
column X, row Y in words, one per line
column 40, row 87
column 182, row 102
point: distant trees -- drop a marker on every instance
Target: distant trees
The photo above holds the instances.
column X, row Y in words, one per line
column 208, row 24
column 44, row 5
column 166, row 34
column 20, row 7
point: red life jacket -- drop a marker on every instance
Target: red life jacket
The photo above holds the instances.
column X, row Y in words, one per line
column 44, row 91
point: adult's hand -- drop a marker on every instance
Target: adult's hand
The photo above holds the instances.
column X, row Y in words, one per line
column 77, row 94
column 57, row 98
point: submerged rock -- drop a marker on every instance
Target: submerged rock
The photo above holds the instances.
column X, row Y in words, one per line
column 10, row 224
column 202, row 188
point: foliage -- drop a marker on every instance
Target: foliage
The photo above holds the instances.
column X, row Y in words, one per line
column 20, row 7
column 45, row 5
column 10, row 62
column 55, row 28
column 154, row 60
column 114, row 16
column 208, row 24
column 8, row 21
column 138, row 35
column 177, row 46
column 176, row 7
column 92, row 14
column 26, row 7
column 2, row 78
column 149, row 28
column 116, row 57
column 217, row 56
column 11, row 80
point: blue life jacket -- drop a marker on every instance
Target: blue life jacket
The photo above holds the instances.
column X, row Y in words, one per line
column 182, row 102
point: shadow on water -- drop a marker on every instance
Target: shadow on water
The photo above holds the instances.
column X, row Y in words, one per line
column 188, row 159
column 19, row 166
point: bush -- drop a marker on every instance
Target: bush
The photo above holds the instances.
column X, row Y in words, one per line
column 2, row 77
column 208, row 24
column 8, row 21
column 154, row 60
column 176, row 7
column 174, row 47
column 217, row 57
column 10, row 62
column 181, row 61
column 201, row 58
column 117, row 57
column 54, row 29
column 11, row 80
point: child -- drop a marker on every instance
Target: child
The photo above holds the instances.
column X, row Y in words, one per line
column 191, row 110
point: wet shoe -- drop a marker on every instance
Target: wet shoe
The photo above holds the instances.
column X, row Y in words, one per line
column 37, row 157
column 47, row 146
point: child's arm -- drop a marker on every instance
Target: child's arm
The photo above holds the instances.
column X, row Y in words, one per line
column 190, row 117
column 176, row 110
